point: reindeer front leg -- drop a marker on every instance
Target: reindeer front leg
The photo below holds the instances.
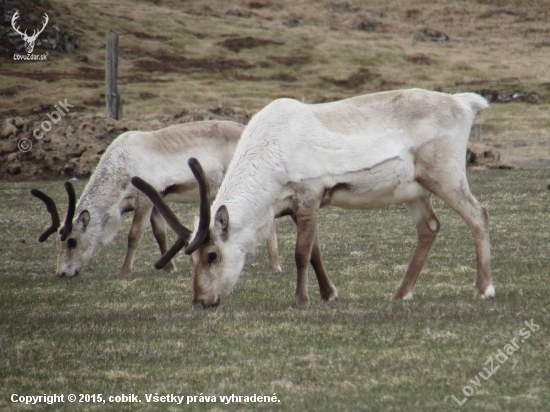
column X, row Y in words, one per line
column 326, row 288
column 305, row 215
column 427, row 226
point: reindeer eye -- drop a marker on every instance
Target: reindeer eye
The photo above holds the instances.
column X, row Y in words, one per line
column 71, row 243
column 211, row 257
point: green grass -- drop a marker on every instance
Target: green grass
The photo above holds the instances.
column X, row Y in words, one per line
column 99, row 333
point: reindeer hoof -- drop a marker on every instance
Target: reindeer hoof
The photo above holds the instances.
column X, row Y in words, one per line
column 489, row 293
column 301, row 300
column 124, row 272
column 275, row 268
column 402, row 296
column 330, row 295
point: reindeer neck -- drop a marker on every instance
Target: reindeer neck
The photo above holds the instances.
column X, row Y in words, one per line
column 249, row 196
column 106, row 186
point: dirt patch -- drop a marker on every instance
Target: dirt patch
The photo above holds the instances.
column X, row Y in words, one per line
column 480, row 155
column 248, row 42
column 296, row 60
column 155, row 66
column 82, row 73
column 73, row 147
column 258, row 5
column 500, row 12
column 284, row 77
column 357, row 79
column 370, row 25
column 52, row 76
column 420, row 60
column 430, row 35
column 147, row 36
column 176, row 63
column 413, row 14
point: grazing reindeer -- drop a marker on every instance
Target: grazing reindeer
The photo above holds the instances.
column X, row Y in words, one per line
column 161, row 158
column 29, row 40
column 366, row 152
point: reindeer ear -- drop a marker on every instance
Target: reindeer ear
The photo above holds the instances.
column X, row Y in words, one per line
column 84, row 218
column 222, row 220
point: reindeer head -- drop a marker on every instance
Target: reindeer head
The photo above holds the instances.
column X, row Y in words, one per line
column 217, row 263
column 29, row 40
column 76, row 243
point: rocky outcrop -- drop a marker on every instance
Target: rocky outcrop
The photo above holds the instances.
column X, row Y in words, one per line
column 480, row 155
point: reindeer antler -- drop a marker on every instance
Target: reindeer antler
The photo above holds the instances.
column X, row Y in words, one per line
column 50, row 204
column 52, row 209
column 203, row 231
column 182, row 232
column 68, row 225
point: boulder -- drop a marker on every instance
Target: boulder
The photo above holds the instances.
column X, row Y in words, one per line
column 481, row 155
column 430, row 35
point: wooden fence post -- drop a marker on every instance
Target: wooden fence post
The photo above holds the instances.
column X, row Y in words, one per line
column 477, row 130
column 114, row 104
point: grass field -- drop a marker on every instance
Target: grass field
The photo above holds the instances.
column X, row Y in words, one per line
column 99, row 333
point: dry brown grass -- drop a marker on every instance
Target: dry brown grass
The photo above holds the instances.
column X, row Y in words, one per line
column 172, row 57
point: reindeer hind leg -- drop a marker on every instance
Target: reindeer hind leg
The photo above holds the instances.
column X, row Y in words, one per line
column 158, row 224
column 447, row 180
column 427, row 226
column 141, row 212
column 273, row 263
column 326, row 287
column 477, row 218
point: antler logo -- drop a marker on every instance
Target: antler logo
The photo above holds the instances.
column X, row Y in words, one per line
column 29, row 40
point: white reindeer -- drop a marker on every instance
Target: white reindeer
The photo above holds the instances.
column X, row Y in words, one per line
column 366, row 152
column 160, row 157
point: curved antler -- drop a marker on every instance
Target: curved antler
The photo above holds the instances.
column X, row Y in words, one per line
column 50, row 204
column 68, row 224
column 182, row 232
column 203, row 232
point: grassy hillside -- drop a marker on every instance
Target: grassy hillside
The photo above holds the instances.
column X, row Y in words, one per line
column 177, row 56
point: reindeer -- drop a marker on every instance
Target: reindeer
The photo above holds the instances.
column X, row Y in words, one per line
column 366, row 152
column 160, row 158
column 29, row 40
